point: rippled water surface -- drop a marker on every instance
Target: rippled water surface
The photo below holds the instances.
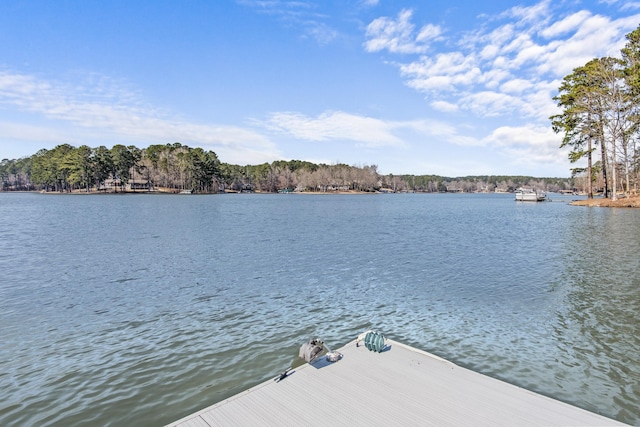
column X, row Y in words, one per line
column 141, row 309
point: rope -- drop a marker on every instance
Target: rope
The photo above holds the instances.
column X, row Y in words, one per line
column 373, row 341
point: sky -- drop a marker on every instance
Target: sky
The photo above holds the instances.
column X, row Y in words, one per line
column 451, row 88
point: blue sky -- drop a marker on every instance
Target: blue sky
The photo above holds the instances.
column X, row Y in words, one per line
column 452, row 88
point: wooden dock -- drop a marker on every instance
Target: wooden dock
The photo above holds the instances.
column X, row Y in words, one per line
column 400, row 386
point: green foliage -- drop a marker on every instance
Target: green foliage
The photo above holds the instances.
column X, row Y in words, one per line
column 123, row 161
column 65, row 168
column 79, row 163
column 174, row 167
column 51, row 168
column 631, row 59
column 16, row 174
column 600, row 105
column 102, row 165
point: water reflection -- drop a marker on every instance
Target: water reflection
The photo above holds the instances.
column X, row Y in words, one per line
column 598, row 330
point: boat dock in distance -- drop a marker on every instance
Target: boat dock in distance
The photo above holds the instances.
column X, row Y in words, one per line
column 400, row 386
column 529, row 195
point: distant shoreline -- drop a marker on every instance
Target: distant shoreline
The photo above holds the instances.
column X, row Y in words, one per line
column 632, row 201
column 96, row 192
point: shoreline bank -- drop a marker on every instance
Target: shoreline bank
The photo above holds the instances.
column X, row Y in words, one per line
column 622, row 202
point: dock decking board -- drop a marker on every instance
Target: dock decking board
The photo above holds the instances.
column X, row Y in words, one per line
column 400, row 386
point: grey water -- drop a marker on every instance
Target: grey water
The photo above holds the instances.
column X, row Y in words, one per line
column 141, row 309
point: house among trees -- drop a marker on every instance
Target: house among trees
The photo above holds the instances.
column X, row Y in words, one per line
column 131, row 185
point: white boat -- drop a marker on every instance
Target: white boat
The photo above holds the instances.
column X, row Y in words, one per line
column 529, row 195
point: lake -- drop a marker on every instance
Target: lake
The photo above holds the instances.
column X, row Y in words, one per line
column 141, row 309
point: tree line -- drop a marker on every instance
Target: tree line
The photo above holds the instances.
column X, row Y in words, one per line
column 176, row 167
column 599, row 121
column 600, row 103
column 66, row 168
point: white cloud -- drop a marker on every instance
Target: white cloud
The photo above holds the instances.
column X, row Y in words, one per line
column 429, row 32
column 517, row 44
column 446, row 72
column 366, row 131
column 498, row 68
column 597, row 36
column 491, row 104
column 444, row 106
column 498, row 36
column 632, row 5
column 538, row 100
column 489, row 51
column 516, row 86
column 337, row 125
column 566, row 25
column 24, row 132
column 505, row 71
column 493, row 78
column 103, row 110
column 398, row 35
column 299, row 14
column 321, row 32
column 535, row 15
column 528, row 144
column 532, row 54
column 624, row 4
